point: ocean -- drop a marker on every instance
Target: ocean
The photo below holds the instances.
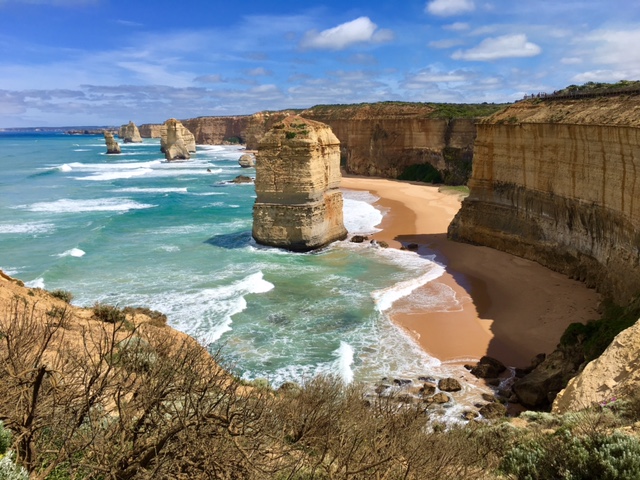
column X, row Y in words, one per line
column 135, row 230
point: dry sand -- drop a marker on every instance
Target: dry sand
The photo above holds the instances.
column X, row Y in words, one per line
column 509, row 308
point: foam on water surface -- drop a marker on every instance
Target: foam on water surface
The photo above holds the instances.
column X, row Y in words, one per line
column 67, row 205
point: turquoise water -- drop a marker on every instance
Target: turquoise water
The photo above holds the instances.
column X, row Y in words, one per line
column 132, row 229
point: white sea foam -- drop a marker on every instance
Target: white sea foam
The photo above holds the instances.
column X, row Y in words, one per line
column 67, row 205
column 207, row 313
column 117, row 175
column 95, row 167
column 81, row 150
column 28, row 228
column 360, row 216
column 65, row 168
column 151, row 190
column 37, row 283
column 74, row 252
column 344, row 361
column 208, row 194
column 385, row 297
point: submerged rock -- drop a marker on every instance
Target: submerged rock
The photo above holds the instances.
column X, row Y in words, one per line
column 298, row 204
column 112, row 146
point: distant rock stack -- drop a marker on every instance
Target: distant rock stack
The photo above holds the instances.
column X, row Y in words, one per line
column 174, row 146
column 298, row 204
column 187, row 137
column 129, row 133
column 112, row 146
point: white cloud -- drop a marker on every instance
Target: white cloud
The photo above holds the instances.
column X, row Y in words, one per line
column 446, row 8
column 258, row 72
column 448, row 43
column 505, row 46
column 602, row 76
column 571, row 61
column 457, row 27
column 360, row 30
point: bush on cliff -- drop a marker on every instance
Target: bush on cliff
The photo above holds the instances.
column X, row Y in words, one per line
column 424, row 172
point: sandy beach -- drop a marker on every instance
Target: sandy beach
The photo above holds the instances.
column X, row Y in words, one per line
column 508, row 307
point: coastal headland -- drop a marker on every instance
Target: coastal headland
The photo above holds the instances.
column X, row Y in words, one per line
column 509, row 308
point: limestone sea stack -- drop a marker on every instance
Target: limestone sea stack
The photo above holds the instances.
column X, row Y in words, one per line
column 187, row 137
column 248, row 160
column 174, row 147
column 112, row 146
column 129, row 133
column 298, row 202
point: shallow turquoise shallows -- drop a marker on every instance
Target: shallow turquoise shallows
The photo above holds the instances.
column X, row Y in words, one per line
column 132, row 229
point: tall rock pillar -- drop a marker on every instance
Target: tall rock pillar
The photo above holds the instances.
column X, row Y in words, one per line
column 298, row 204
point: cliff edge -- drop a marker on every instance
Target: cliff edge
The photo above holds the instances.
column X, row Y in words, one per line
column 555, row 181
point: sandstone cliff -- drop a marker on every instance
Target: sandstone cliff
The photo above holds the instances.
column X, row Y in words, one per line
column 555, row 181
column 174, row 145
column 615, row 374
column 129, row 133
column 184, row 133
column 151, row 130
column 382, row 139
column 385, row 139
column 112, row 146
column 298, row 204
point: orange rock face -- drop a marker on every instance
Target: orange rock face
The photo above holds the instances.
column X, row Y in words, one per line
column 298, row 204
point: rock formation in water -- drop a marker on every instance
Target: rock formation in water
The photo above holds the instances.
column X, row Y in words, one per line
column 174, row 144
column 112, row 146
column 298, row 204
column 248, row 160
column 129, row 133
column 187, row 137
column 555, row 181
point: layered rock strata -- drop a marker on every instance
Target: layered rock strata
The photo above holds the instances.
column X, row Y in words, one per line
column 129, row 133
column 151, row 130
column 556, row 182
column 298, row 204
column 112, row 146
column 181, row 132
column 174, row 146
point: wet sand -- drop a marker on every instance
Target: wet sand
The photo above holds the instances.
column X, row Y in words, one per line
column 505, row 306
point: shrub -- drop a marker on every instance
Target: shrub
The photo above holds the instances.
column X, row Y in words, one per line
column 158, row 319
column 10, row 471
column 5, row 439
column 109, row 313
column 62, row 295
column 424, row 172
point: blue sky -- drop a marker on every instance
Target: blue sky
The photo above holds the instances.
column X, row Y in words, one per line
column 105, row 62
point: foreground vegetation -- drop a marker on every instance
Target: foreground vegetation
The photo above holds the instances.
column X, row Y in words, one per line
column 140, row 401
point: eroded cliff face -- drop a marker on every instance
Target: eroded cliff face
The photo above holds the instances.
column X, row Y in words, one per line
column 151, row 130
column 376, row 139
column 383, row 140
column 298, row 202
column 556, row 182
column 167, row 139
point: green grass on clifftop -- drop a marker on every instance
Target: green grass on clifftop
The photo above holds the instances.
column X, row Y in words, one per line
column 418, row 109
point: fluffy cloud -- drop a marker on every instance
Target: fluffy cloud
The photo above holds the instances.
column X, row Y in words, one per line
column 505, row 46
column 360, row 30
column 446, row 8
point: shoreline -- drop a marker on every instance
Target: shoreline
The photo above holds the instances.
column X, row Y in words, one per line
column 509, row 308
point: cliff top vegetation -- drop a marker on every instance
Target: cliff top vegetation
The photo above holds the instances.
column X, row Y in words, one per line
column 395, row 109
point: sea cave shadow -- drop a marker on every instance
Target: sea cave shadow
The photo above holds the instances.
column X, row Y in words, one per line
column 452, row 255
column 231, row 241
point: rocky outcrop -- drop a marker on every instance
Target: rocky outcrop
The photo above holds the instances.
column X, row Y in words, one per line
column 129, row 133
column 298, row 204
column 112, row 146
column 248, row 160
column 174, row 145
column 151, row 130
column 615, row 374
column 181, row 132
column 555, row 182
